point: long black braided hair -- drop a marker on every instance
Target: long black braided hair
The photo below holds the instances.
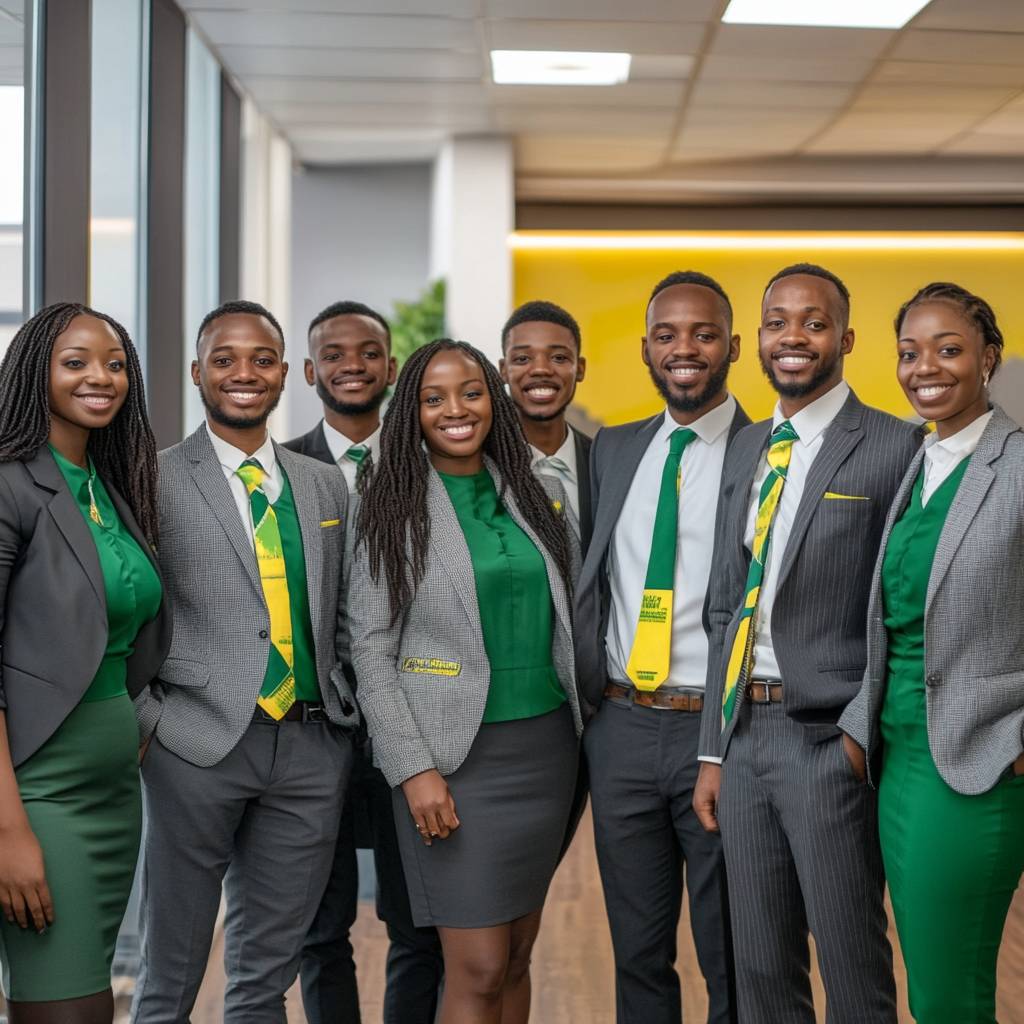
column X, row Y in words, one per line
column 394, row 490
column 124, row 451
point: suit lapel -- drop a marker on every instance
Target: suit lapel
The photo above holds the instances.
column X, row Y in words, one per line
column 319, row 448
column 206, row 471
column 583, row 488
column 746, row 471
column 43, row 469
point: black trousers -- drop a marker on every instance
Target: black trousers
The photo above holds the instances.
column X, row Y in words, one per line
column 415, row 965
column 643, row 768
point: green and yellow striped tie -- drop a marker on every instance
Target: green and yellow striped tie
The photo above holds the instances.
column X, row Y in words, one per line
column 741, row 659
column 277, row 694
column 650, row 658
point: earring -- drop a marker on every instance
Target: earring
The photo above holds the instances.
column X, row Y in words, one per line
column 985, row 378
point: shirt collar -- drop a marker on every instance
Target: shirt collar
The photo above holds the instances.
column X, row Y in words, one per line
column 811, row 421
column 340, row 444
column 567, row 452
column 231, row 458
column 960, row 444
column 709, row 427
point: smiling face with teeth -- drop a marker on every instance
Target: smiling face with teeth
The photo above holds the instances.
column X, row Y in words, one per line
column 943, row 365
column 542, row 367
column 455, row 412
column 688, row 348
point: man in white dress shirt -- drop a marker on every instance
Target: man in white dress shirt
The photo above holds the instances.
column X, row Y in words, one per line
column 804, row 502
column 351, row 366
column 541, row 364
column 655, row 486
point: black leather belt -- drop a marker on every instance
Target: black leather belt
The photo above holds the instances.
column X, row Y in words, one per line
column 300, row 711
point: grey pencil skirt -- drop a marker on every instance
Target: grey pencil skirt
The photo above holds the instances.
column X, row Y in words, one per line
column 513, row 795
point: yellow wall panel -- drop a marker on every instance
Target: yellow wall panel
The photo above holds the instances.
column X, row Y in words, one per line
column 604, row 279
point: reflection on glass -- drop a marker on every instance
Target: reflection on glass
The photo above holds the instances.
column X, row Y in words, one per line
column 12, row 165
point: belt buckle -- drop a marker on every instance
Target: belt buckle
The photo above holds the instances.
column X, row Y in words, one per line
column 314, row 713
column 750, row 693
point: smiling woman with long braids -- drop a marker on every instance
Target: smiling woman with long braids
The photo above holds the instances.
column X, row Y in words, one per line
column 941, row 711
column 82, row 630
column 462, row 644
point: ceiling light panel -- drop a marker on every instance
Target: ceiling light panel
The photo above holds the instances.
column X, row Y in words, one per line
column 826, row 13
column 558, row 67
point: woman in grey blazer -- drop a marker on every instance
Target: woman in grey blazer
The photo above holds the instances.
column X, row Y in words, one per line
column 941, row 710
column 461, row 641
column 83, row 629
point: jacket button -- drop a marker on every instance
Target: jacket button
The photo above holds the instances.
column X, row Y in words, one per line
column 933, row 679
column 264, row 634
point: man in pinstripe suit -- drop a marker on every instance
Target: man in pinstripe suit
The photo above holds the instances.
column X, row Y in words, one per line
column 807, row 492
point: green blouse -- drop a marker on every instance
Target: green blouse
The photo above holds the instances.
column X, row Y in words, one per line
column 131, row 583
column 514, row 598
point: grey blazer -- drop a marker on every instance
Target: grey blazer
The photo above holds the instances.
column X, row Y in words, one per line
column 974, row 642
column 53, row 604
column 615, row 455
column 820, row 609
column 208, row 686
column 423, row 682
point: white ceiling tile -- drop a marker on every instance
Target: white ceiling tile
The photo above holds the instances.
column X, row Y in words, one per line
column 756, row 121
column 584, row 120
column 629, row 94
column 652, row 67
column 911, row 96
column 948, row 72
column 783, row 95
column 961, row 47
column 603, row 153
column 332, row 144
column 305, row 62
column 720, row 67
column 348, row 31
column 913, row 132
column 1009, row 121
column 973, row 15
column 603, row 10
column 382, row 115
column 783, row 42
column 983, row 144
column 11, row 34
column 615, row 36
column 438, row 8
column 323, row 90
column 15, row 7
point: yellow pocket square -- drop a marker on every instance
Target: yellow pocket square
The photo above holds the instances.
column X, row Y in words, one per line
column 845, row 497
column 329, row 522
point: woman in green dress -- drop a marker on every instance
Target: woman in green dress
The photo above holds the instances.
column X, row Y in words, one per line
column 941, row 711
column 82, row 630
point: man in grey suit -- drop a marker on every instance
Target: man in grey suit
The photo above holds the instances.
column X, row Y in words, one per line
column 249, row 724
column 807, row 492
column 655, row 495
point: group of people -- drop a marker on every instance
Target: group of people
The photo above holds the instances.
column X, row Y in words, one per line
column 784, row 656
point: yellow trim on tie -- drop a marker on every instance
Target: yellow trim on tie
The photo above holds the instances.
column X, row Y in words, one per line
column 330, row 522
column 845, row 497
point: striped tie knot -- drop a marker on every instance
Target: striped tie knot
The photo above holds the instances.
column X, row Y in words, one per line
column 357, row 453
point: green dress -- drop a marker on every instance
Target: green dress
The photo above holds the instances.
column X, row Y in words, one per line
column 952, row 861
column 514, row 598
column 81, row 788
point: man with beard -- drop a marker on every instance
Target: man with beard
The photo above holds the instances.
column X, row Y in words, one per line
column 642, row 652
column 542, row 365
column 805, row 497
column 351, row 366
column 249, row 725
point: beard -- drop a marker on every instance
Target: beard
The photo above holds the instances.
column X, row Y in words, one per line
column 543, row 417
column 797, row 389
column 225, row 419
column 691, row 402
column 349, row 408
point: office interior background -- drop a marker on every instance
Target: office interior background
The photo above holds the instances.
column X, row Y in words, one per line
column 157, row 158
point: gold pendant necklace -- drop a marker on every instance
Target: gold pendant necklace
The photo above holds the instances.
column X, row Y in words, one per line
column 94, row 512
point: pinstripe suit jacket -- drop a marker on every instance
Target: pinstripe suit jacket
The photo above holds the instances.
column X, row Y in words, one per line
column 820, row 609
column 207, row 689
column 974, row 642
column 423, row 682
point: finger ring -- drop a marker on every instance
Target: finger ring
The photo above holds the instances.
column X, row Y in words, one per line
column 433, row 833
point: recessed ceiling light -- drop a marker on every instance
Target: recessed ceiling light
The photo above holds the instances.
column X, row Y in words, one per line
column 828, row 13
column 558, row 67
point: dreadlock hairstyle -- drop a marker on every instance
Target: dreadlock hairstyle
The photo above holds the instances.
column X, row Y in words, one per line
column 124, row 451
column 971, row 306
column 394, row 490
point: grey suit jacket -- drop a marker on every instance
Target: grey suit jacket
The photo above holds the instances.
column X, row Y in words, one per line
column 53, row 604
column 208, row 686
column 423, row 682
column 614, row 457
column 974, row 643
column 820, row 611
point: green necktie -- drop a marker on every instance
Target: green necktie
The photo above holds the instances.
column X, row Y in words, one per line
column 277, row 694
column 741, row 659
column 357, row 453
column 650, row 659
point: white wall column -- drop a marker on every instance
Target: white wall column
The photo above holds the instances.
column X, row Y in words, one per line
column 472, row 216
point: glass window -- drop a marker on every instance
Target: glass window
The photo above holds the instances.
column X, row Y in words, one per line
column 12, row 165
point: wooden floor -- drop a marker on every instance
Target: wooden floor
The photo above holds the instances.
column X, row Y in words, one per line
column 573, row 975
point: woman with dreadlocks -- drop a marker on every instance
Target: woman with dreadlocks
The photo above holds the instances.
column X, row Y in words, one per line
column 461, row 641
column 82, row 630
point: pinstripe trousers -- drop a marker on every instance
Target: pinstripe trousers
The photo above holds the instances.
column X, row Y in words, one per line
column 800, row 834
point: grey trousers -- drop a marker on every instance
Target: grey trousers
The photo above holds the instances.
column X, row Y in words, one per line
column 264, row 823
column 801, row 844
column 643, row 766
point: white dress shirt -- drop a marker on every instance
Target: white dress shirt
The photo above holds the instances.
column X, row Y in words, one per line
column 630, row 548
column 340, row 444
column 562, row 466
column 231, row 459
column 810, row 424
column 942, row 457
